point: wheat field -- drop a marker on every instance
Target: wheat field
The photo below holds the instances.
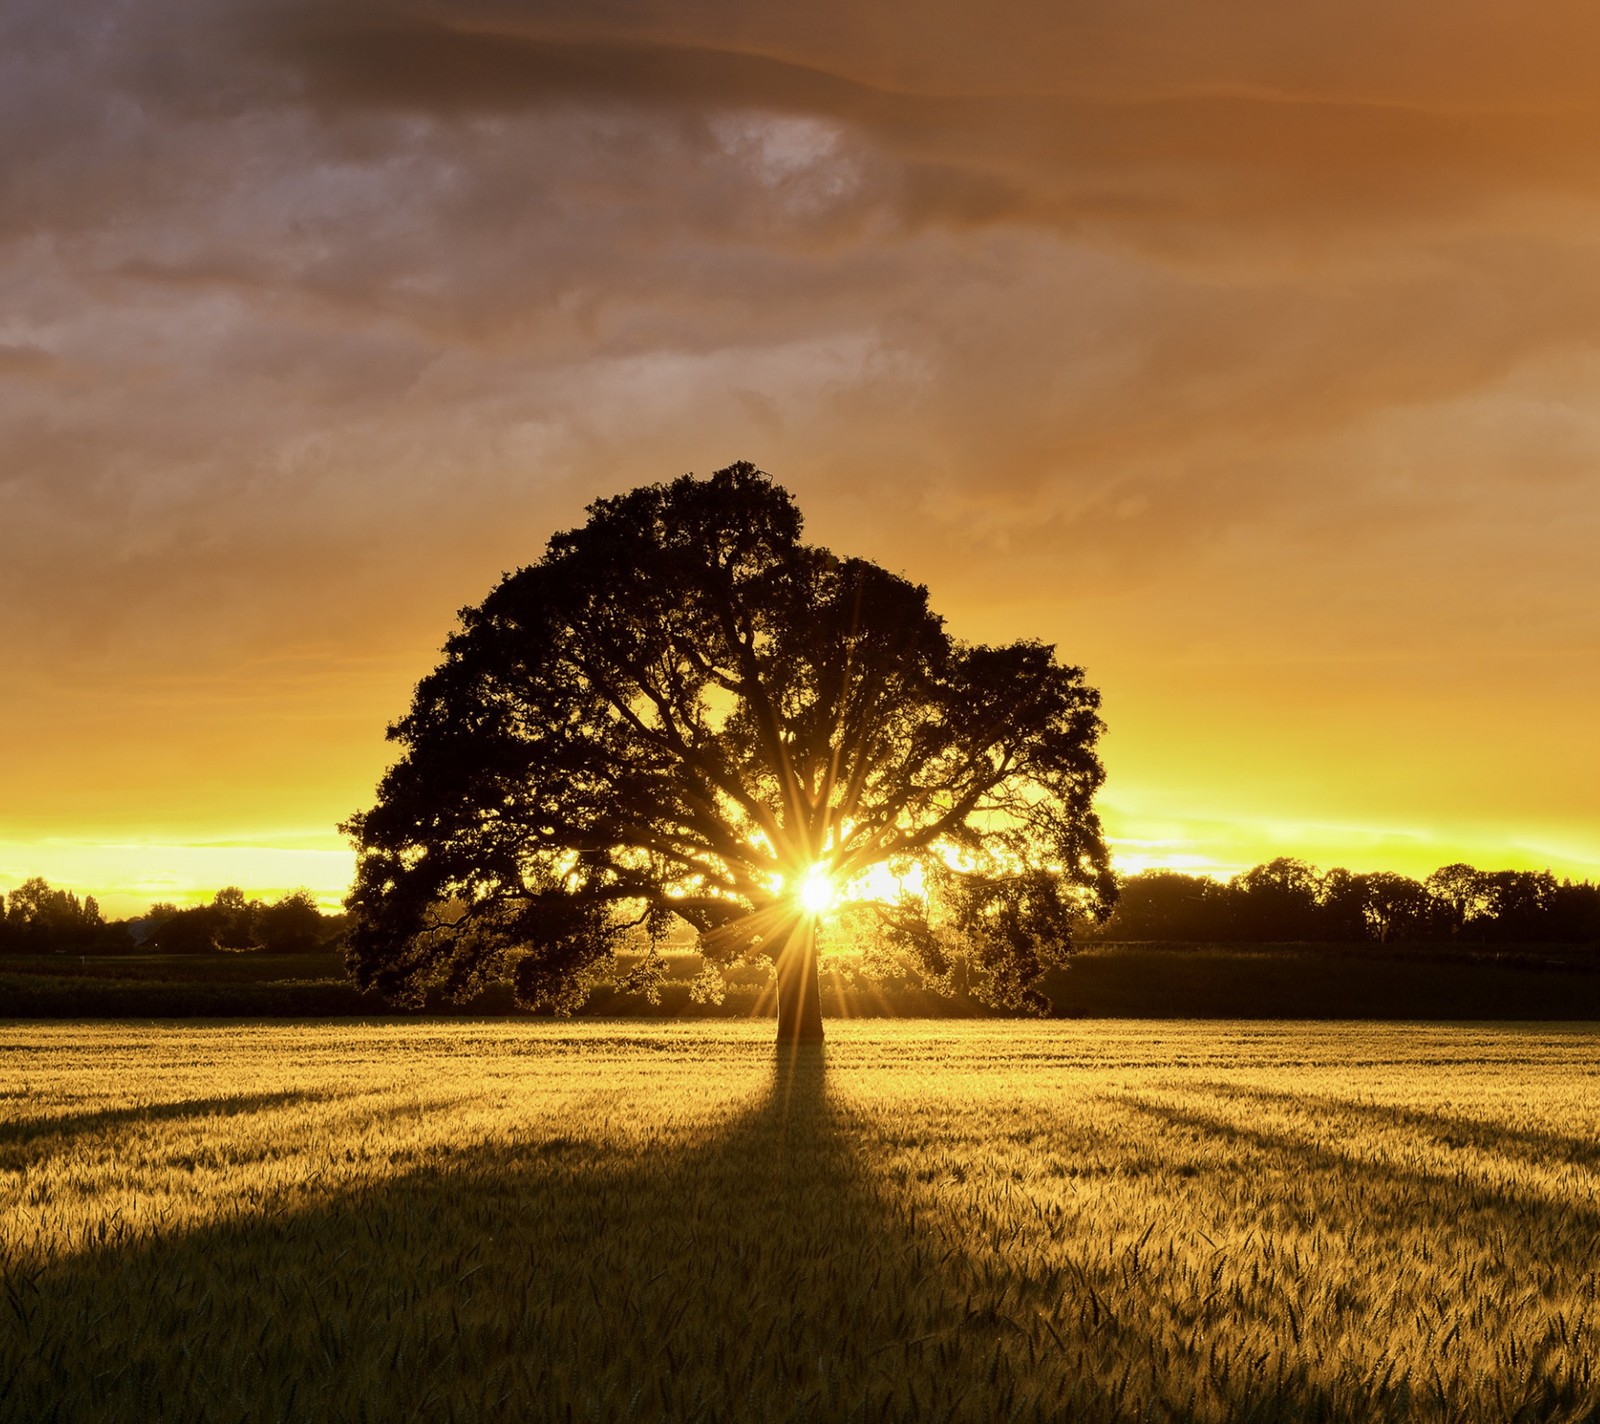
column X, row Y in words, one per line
column 951, row 1220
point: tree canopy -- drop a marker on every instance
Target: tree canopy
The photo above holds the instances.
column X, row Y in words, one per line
column 684, row 713
column 232, row 921
column 1289, row 901
column 39, row 917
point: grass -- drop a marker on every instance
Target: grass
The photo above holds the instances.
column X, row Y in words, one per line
column 955, row 1220
column 1118, row 981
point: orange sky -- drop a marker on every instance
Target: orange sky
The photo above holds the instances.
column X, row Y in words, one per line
column 1251, row 355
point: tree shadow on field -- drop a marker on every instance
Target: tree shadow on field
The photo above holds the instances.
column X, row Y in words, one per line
column 768, row 1268
column 765, row 1271
column 1467, row 1275
column 1364, row 1193
column 28, row 1139
column 1536, row 1146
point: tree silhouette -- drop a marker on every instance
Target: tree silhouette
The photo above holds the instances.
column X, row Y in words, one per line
column 39, row 919
column 291, row 925
column 684, row 713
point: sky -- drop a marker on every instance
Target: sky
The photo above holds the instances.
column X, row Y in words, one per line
column 1248, row 353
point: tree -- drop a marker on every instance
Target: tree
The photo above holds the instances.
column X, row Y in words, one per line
column 1278, row 900
column 234, row 917
column 228, row 922
column 1342, row 907
column 39, row 918
column 1169, row 905
column 1460, row 895
column 292, row 925
column 191, row 929
column 1395, row 907
column 684, row 713
column 1519, row 904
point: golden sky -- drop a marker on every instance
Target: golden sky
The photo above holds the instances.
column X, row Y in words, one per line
column 1250, row 354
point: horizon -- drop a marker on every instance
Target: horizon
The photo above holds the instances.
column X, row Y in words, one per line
column 124, row 902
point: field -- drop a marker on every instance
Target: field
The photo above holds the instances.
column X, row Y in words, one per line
column 1100, row 981
column 956, row 1220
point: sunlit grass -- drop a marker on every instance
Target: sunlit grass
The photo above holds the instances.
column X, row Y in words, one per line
column 968, row 1220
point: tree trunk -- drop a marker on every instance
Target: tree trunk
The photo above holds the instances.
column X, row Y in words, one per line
column 799, row 997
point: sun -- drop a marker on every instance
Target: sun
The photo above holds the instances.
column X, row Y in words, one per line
column 816, row 891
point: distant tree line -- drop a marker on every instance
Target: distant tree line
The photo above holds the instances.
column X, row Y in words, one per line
column 1288, row 900
column 1284, row 901
column 37, row 919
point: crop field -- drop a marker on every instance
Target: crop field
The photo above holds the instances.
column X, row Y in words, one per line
column 1324, row 982
column 955, row 1220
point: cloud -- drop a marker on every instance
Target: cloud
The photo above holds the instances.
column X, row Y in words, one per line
column 1164, row 336
column 1142, row 123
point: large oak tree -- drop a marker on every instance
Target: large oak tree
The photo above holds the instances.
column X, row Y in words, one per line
column 683, row 712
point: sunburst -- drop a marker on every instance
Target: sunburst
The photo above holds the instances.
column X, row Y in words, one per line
column 816, row 891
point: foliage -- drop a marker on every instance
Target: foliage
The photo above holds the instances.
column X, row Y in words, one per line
column 1287, row 900
column 42, row 920
column 39, row 919
column 678, row 715
column 290, row 925
column 708, row 987
column 1163, row 1221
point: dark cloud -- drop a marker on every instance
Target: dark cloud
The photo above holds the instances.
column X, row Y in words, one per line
column 1082, row 115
